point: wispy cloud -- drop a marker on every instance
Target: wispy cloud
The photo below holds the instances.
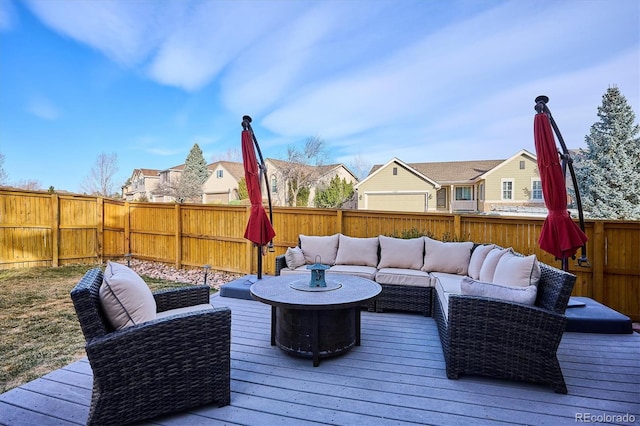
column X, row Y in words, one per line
column 42, row 107
column 7, row 15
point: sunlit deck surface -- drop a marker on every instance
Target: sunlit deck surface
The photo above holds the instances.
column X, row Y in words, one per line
column 397, row 376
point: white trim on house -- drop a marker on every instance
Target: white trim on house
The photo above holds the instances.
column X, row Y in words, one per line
column 405, row 166
column 505, row 162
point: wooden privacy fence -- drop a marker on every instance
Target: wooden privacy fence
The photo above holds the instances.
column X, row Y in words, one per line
column 41, row 229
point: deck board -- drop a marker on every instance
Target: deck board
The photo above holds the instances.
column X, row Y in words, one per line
column 396, row 377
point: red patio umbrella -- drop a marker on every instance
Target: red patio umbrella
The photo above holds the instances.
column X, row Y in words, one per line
column 560, row 235
column 259, row 229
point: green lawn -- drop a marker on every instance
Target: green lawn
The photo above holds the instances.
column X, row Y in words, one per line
column 39, row 329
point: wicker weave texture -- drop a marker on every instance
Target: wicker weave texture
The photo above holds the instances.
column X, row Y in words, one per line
column 506, row 340
column 158, row 367
column 405, row 298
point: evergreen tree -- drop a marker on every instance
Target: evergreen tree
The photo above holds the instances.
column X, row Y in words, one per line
column 608, row 174
column 195, row 172
column 243, row 192
column 335, row 194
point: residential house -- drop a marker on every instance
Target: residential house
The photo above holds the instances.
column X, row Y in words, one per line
column 457, row 186
column 322, row 176
column 168, row 177
column 222, row 185
column 141, row 185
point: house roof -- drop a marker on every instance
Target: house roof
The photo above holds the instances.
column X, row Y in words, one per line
column 236, row 169
column 450, row 171
column 149, row 172
column 322, row 170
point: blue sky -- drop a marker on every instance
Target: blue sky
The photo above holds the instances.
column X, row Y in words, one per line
column 423, row 80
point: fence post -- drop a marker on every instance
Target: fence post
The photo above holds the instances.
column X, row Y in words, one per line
column 127, row 228
column 457, row 230
column 178, row 224
column 339, row 221
column 599, row 253
column 55, row 230
column 100, row 228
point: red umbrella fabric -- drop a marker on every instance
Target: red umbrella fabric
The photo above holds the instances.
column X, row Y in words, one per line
column 259, row 229
column 560, row 235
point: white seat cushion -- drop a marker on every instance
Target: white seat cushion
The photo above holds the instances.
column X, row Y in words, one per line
column 408, row 277
column 367, row 272
column 125, row 298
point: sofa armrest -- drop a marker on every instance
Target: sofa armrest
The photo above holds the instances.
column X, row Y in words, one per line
column 281, row 263
column 158, row 346
column 504, row 325
column 181, row 297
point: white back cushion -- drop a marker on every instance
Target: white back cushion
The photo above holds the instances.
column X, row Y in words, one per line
column 489, row 264
column 357, row 251
column 446, row 257
column 401, row 253
column 125, row 297
column 294, row 257
column 516, row 270
column 324, row 247
column 477, row 258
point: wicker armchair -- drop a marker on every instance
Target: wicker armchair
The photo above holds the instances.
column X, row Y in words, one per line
column 507, row 340
column 157, row 367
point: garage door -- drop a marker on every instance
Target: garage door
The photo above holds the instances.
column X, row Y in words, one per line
column 397, row 202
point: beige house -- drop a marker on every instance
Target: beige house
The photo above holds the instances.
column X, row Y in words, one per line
column 222, row 184
column 458, row 186
column 141, row 185
column 321, row 176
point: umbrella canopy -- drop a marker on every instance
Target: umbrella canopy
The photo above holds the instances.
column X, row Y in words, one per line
column 259, row 229
column 560, row 235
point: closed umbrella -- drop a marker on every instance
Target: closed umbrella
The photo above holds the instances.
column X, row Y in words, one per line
column 560, row 235
column 259, row 229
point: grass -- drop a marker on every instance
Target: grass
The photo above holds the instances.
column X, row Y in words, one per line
column 39, row 328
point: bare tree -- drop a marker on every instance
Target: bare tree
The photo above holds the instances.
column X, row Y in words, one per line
column 28, row 184
column 360, row 166
column 3, row 175
column 232, row 154
column 101, row 179
column 302, row 166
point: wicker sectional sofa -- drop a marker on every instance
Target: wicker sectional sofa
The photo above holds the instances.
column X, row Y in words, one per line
column 499, row 313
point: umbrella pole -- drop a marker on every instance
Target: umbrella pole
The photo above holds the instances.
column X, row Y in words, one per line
column 541, row 106
column 259, row 261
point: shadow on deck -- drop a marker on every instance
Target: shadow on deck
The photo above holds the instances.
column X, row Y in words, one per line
column 397, row 376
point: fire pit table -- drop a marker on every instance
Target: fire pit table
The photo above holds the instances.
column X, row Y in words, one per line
column 315, row 322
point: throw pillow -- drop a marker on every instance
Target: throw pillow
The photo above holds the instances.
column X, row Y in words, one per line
column 525, row 295
column 489, row 264
column 514, row 270
column 452, row 258
column 294, row 257
column 125, row 297
column 477, row 258
column 401, row 253
column 357, row 251
column 319, row 249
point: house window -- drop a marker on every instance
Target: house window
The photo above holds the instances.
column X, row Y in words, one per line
column 521, row 165
column 274, row 184
column 441, row 198
column 219, row 173
column 481, row 192
column 536, row 190
column 463, row 193
column 507, row 189
column 395, row 171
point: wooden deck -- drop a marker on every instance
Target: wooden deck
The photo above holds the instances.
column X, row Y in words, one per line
column 397, row 376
